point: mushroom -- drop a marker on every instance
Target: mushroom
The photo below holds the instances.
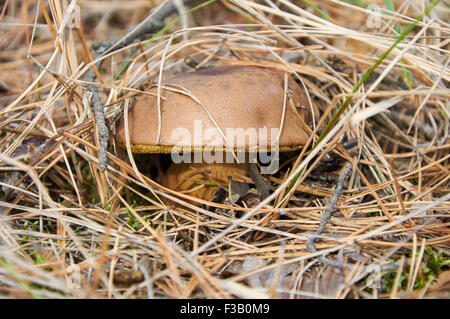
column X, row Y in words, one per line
column 220, row 119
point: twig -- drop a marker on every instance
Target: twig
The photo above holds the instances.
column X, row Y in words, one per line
column 153, row 23
column 262, row 183
column 326, row 216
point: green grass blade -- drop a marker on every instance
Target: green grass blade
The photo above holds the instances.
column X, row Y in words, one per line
column 391, row 8
column 318, row 11
column 374, row 66
column 367, row 75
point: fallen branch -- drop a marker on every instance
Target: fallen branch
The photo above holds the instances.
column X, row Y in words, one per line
column 153, row 23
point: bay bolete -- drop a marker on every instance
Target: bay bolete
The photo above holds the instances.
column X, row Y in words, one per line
column 217, row 115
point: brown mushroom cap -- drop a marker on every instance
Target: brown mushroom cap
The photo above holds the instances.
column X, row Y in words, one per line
column 245, row 97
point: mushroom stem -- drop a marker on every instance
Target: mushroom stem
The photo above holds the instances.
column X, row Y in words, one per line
column 202, row 180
